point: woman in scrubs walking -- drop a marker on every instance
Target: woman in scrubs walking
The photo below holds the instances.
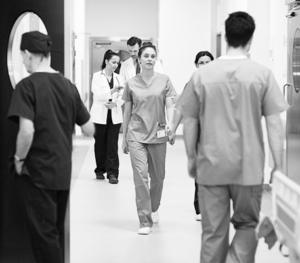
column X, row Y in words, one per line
column 145, row 133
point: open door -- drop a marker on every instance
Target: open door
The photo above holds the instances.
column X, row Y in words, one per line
column 291, row 91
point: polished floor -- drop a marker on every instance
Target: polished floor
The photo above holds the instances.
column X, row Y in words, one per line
column 104, row 221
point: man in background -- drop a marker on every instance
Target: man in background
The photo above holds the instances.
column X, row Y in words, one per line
column 131, row 66
column 46, row 106
column 229, row 96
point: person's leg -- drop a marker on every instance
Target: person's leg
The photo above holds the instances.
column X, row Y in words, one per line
column 196, row 200
column 139, row 161
column 215, row 209
column 100, row 147
column 157, row 161
column 62, row 203
column 112, row 159
column 246, row 205
column 41, row 212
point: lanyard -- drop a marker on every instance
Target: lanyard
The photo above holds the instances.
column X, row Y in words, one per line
column 112, row 76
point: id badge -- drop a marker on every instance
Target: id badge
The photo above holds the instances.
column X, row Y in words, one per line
column 161, row 130
column 161, row 133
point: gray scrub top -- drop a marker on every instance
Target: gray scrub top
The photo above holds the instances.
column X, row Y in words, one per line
column 229, row 97
column 148, row 107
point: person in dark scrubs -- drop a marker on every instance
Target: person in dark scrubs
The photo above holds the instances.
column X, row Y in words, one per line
column 46, row 106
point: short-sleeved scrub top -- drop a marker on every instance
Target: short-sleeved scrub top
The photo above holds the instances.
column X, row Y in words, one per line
column 53, row 104
column 148, row 107
column 229, row 97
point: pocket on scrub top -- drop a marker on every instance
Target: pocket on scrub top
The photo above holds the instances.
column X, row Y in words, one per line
column 135, row 126
column 134, row 130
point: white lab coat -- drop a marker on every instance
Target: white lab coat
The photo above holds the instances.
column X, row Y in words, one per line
column 101, row 92
column 128, row 69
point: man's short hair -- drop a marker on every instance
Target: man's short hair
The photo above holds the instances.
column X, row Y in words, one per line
column 36, row 43
column 134, row 40
column 239, row 28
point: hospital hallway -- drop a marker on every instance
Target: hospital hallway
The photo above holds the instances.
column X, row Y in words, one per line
column 104, row 221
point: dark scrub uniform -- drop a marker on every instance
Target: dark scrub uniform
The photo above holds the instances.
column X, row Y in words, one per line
column 147, row 149
column 53, row 104
column 229, row 97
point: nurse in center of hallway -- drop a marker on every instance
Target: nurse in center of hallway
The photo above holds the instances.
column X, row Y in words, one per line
column 145, row 133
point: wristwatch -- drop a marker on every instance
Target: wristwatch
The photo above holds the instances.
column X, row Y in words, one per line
column 18, row 159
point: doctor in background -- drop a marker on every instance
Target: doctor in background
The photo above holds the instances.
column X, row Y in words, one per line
column 106, row 113
column 131, row 66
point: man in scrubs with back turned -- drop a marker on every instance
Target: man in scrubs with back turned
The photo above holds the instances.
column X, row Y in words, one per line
column 229, row 96
column 46, row 106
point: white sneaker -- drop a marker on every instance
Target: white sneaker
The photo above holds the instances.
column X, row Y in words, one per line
column 198, row 217
column 155, row 217
column 144, row 231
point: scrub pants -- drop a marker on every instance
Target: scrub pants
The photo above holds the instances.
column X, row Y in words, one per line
column 196, row 200
column 215, row 209
column 45, row 217
column 106, row 147
column 147, row 158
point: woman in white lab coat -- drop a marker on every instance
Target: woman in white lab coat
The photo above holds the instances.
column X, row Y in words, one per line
column 106, row 113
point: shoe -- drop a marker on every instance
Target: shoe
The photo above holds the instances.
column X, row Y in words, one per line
column 144, row 231
column 100, row 176
column 155, row 217
column 198, row 217
column 113, row 179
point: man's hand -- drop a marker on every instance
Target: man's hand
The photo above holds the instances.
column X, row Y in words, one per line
column 275, row 169
column 275, row 138
column 19, row 167
column 192, row 167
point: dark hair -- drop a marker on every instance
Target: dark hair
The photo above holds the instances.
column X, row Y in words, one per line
column 134, row 40
column 107, row 56
column 239, row 28
column 36, row 43
column 144, row 46
column 45, row 54
column 202, row 54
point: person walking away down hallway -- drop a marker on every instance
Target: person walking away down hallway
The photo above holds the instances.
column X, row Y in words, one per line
column 229, row 96
column 46, row 106
column 106, row 113
column 145, row 132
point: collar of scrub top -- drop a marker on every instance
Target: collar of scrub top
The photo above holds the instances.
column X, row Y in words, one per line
column 113, row 76
column 233, row 57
